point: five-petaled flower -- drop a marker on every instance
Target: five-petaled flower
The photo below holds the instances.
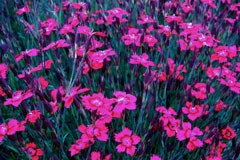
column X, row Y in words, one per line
column 127, row 140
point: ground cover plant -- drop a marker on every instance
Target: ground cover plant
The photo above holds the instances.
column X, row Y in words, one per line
column 120, row 79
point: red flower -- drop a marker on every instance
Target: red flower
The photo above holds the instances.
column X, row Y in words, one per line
column 25, row 9
column 2, row 93
column 228, row 133
column 124, row 101
column 127, row 140
column 97, row 102
column 3, row 70
column 220, row 105
column 33, row 151
column 133, row 37
column 68, row 99
column 33, row 116
column 142, row 60
column 193, row 112
column 18, row 97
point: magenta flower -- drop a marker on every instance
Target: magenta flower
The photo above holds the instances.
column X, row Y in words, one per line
column 3, row 70
column 155, row 157
column 68, row 99
column 127, row 140
column 98, row 131
column 25, row 9
column 124, row 101
column 61, row 43
column 31, row 53
column 193, row 112
column 18, row 97
column 200, row 91
column 144, row 19
column 222, row 53
column 97, row 102
column 33, row 116
column 150, row 40
column 142, row 60
column 66, row 29
column 187, row 133
column 133, row 37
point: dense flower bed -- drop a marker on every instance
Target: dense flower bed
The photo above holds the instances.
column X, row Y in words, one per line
column 136, row 79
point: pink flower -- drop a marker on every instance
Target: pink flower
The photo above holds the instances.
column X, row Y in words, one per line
column 127, row 140
column 67, row 28
column 155, row 157
column 61, row 43
column 12, row 127
column 84, row 30
column 200, row 90
column 33, row 116
column 116, row 13
column 97, row 58
column 18, row 97
column 68, row 99
column 97, row 156
column 25, row 9
column 43, row 82
column 166, row 30
column 98, row 130
column 3, row 131
column 80, row 145
column 222, row 53
column 150, row 40
column 133, row 37
column 194, row 143
column 3, row 70
column 144, row 19
column 173, row 18
column 124, row 101
column 97, row 102
column 142, row 60
column 48, row 26
column 193, row 112
column 187, row 132
column 31, row 53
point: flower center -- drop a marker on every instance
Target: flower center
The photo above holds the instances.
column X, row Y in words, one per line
column 127, row 141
